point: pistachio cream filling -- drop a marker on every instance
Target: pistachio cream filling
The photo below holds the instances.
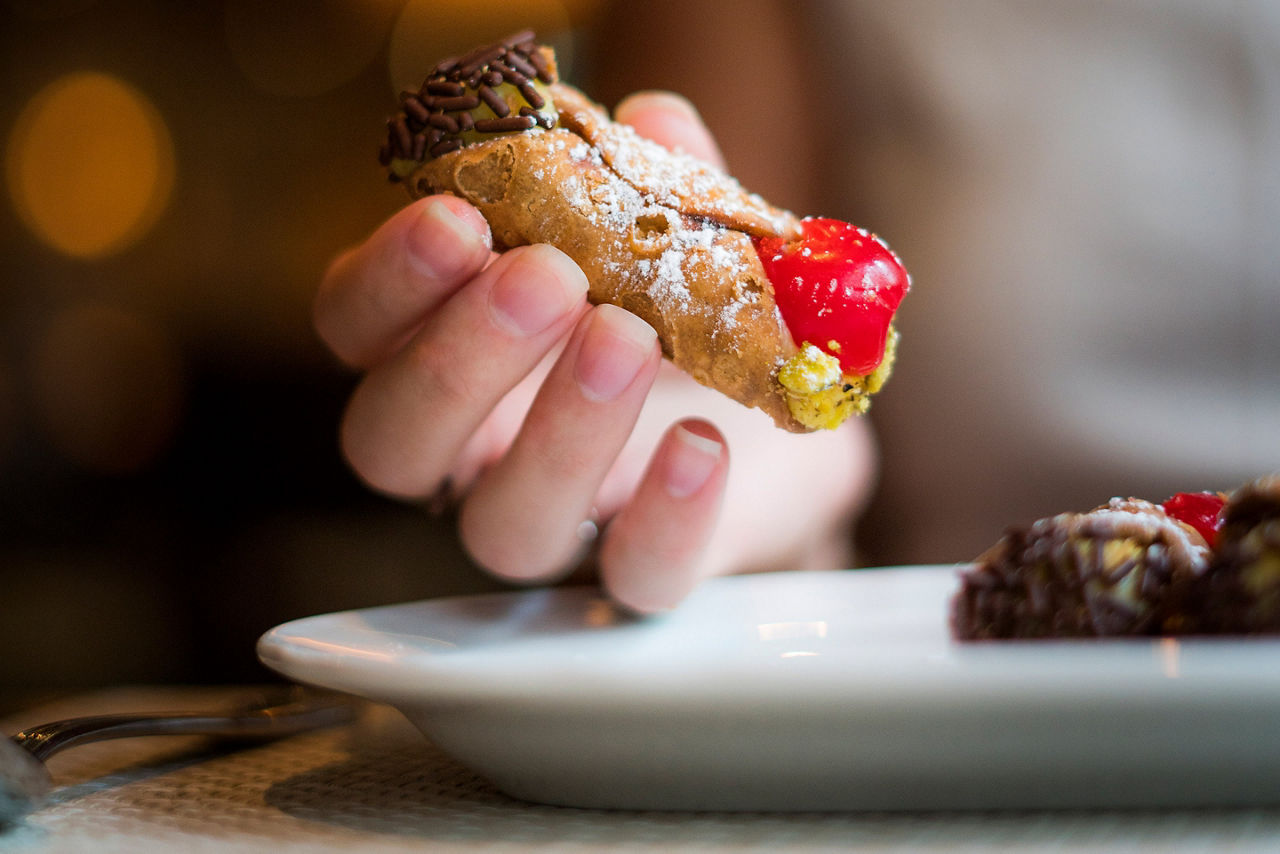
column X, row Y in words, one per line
column 821, row 396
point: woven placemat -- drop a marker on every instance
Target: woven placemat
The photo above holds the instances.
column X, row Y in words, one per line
column 378, row 786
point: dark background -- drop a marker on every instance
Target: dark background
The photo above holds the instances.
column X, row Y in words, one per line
column 170, row 483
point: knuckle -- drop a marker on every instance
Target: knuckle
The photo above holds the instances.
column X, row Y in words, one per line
column 566, row 464
column 444, row 379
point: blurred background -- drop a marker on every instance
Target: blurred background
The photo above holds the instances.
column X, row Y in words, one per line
column 176, row 177
column 1085, row 192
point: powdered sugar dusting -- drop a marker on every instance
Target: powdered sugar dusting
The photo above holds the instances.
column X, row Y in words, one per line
column 678, row 179
column 672, row 178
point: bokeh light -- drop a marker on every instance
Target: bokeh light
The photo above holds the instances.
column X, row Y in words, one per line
column 90, row 164
column 306, row 47
column 107, row 387
column 428, row 31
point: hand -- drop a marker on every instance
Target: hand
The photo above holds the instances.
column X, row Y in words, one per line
column 490, row 377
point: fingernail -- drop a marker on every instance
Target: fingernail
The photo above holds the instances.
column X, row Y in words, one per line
column 443, row 244
column 616, row 345
column 655, row 99
column 690, row 462
column 535, row 290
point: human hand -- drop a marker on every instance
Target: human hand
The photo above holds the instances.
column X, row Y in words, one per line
column 488, row 377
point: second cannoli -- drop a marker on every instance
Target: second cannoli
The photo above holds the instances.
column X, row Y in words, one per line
column 1126, row 568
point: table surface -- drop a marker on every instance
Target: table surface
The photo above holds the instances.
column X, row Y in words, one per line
column 378, row 786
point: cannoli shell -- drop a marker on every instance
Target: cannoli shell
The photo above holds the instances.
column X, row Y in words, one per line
column 661, row 235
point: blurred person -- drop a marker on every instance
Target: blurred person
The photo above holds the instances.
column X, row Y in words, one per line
column 1085, row 193
column 1082, row 191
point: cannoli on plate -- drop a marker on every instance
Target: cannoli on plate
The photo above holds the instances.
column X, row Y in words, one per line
column 791, row 316
column 1124, row 568
column 1201, row 563
column 1242, row 591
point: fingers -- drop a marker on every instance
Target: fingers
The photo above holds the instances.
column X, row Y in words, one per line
column 448, row 343
column 374, row 296
column 671, row 121
column 522, row 517
column 411, row 415
column 650, row 558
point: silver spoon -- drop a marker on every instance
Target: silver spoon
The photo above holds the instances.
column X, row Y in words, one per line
column 24, row 780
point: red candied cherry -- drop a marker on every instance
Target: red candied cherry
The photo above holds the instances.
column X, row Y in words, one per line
column 837, row 287
column 1200, row 510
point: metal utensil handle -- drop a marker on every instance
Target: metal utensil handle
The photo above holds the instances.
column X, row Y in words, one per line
column 276, row 721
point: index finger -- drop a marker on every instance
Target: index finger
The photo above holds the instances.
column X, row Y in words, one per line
column 374, row 296
column 671, row 121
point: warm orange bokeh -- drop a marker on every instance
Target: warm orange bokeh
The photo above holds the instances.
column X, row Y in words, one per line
column 90, row 164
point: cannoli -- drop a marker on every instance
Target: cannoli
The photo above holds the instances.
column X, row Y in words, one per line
column 1125, row 568
column 1241, row 593
column 790, row 316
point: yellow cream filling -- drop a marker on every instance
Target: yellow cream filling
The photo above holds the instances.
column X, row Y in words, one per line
column 821, row 396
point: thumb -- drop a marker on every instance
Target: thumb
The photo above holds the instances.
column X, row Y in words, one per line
column 671, row 121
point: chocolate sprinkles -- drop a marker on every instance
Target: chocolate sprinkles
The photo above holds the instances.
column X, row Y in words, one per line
column 479, row 58
column 445, row 146
column 507, row 125
column 416, row 109
column 519, row 63
column 495, row 101
column 541, row 119
column 540, row 63
column 448, row 124
column 531, row 95
column 444, row 87
column 400, row 133
column 461, row 102
column 432, row 119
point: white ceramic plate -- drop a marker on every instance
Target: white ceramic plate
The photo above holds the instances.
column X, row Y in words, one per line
column 815, row 691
